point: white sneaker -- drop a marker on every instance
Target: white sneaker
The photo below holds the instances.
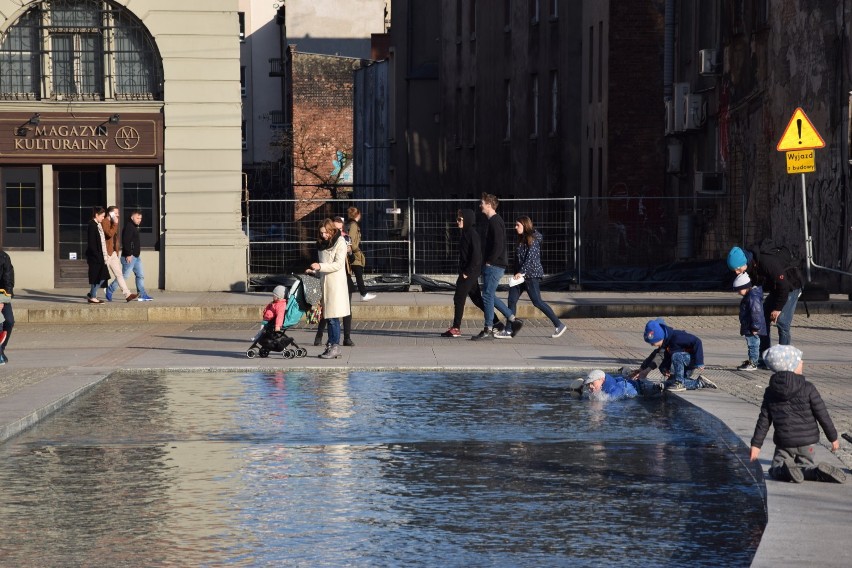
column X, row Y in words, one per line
column 504, row 334
column 559, row 331
column 368, row 297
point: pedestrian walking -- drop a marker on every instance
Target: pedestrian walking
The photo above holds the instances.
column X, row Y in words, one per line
column 494, row 265
column 7, row 285
column 358, row 260
column 131, row 263
column 109, row 231
column 527, row 278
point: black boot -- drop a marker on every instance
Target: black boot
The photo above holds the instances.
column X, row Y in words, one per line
column 318, row 338
column 347, row 341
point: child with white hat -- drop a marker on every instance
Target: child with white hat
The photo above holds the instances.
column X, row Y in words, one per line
column 752, row 320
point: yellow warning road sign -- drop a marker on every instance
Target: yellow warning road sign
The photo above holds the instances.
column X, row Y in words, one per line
column 800, row 161
column 800, row 134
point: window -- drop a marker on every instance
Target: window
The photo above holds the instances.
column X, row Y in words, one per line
column 140, row 191
column 242, row 19
column 21, row 207
column 600, row 61
column 276, row 119
column 534, row 106
column 554, row 102
column 473, row 116
column 508, row 110
column 243, row 132
column 85, row 49
column 243, row 81
column 591, row 60
column 507, row 15
column 472, row 21
column 554, row 9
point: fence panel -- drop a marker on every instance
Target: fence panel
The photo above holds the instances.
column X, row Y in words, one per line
column 435, row 233
column 283, row 232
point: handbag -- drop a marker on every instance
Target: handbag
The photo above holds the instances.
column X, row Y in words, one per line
column 312, row 288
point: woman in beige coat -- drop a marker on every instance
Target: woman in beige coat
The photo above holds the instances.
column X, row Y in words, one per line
column 331, row 269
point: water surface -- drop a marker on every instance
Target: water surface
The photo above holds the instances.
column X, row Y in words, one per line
column 374, row 469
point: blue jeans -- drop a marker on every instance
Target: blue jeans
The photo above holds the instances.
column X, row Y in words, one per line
column 134, row 266
column 8, row 324
column 491, row 276
column 682, row 370
column 533, row 289
column 785, row 319
column 753, row 342
column 93, row 291
column 334, row 331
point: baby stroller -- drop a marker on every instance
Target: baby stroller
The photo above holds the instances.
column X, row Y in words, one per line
column 268, row 340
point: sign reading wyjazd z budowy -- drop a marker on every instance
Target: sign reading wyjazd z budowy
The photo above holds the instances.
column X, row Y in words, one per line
column 56, row 138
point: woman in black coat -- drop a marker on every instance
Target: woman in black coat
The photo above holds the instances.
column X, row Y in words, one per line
column 96, row 255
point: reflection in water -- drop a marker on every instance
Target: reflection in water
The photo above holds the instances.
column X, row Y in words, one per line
column 374, row 469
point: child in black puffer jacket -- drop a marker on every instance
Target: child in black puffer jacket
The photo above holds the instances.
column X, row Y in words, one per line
column 795, row 408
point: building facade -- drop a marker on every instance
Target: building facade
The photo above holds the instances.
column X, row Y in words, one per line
column 135, row 104
column 486, row 98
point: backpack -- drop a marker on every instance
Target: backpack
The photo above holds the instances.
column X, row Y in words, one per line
column 768, row 248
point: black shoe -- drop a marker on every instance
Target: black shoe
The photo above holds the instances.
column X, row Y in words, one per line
column 348, row 342
column 318, row 340
column 516, row 327
column 484, row 335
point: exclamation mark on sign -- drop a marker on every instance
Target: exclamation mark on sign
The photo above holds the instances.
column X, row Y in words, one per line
column 799, row 126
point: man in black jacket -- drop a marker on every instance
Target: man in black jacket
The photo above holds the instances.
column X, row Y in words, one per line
column 773, row 268
column 130, row 261
column 794, row 407
column 7, row 283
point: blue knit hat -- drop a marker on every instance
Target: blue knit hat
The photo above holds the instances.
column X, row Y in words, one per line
column 654, row 331
column 737, row 258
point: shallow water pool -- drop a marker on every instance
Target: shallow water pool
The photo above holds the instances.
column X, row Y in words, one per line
column 375, row 469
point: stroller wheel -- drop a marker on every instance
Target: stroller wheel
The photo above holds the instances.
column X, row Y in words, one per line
column 264, row 353
column 301, row 352
column 287, row 354
column 251, row 353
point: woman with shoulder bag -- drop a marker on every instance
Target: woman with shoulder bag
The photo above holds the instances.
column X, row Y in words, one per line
column 358, row 260
column 331, row 269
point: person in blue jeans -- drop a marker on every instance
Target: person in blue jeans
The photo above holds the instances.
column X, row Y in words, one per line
column 528, row 267
column 771, row 266
column 752, row 321
column 495, row 261
column 682, row 354
column 130, row 260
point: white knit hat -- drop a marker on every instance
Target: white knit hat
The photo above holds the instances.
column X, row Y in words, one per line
column 742, row 281
column 279, row 292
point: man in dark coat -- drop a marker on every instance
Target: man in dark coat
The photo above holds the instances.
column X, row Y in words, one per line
column 7, row 283
column 771, row 267
column 795, row 408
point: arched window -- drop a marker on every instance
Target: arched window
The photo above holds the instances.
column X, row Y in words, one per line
column 89, row 50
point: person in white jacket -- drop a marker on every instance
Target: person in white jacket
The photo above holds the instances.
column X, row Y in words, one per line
column 331, row 269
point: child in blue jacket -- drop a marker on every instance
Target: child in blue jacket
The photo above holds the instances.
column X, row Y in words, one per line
column 613, row 387
column 682, row 353
column 752, row 320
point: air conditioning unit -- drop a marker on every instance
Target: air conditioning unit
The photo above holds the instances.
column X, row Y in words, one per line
column 693, row 107
column 681, row 90
column 708, row 62
column 670, row 117
column 709, row 183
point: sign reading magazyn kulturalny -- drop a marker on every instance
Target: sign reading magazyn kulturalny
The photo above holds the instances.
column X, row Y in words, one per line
column 80, row 138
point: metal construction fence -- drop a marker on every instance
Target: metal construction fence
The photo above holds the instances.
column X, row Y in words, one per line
column 615, row 242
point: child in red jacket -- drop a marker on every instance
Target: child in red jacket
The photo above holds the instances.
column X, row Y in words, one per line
column 276, row 309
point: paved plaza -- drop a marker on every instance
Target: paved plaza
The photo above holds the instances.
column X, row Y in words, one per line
column 62, row 346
